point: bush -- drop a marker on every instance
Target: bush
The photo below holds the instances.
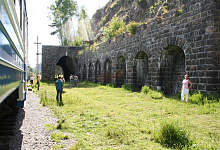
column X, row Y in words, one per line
column 145, row 89
column 129, row 88
column 196, row 97
column 110, row 85
column 153, row 94
column 131, row 27
column 156, row 95
column 110, row 31
column 173, row 135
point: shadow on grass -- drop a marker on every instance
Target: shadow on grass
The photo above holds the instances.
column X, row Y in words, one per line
column 84, row 84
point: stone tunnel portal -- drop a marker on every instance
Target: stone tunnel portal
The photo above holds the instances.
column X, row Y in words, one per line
column 172, row 69
column 67, row 65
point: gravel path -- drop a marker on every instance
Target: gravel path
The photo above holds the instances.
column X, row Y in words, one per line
column 30, row 132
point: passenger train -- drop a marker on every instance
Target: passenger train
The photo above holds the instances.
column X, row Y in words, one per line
column 13, row 52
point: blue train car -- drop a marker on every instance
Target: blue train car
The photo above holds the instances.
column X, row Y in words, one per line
column 13, row 48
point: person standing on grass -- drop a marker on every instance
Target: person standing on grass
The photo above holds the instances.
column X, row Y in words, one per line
column 38, row 82
column 63, row 79
column 76, row 80
column 31, row 79
column 59, row 88
column 185, row 88
column 71, row 80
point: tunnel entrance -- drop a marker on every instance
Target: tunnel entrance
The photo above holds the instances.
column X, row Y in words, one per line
column 97, row 71
column 65, row 65
column 172, row 69
column 120, row 71
column 107, row 71
column 140, row 69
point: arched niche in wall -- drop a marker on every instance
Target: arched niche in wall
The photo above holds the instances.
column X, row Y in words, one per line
column 120, row 71
column 90, row 72
column 107, row 71
column 84, row 72
column 140, row 69
column 172, row 69
column 97, row 71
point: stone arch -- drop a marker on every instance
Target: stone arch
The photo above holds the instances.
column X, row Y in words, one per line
column 172, row 69
column 177, row 41
column 120, row 71
column 67, row 65
column 84, row 72
column 97, row 70
column 107, row 71
column 90, row 72
column 140, row 69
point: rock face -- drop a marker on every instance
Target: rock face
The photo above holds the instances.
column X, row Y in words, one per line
column 132, row 10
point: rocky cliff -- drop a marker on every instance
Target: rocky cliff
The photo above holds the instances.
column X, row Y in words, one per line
column 132, row 10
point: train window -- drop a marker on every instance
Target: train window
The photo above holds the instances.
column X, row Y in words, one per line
column 21, row 13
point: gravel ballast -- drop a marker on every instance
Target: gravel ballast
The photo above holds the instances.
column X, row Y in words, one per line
column 30, row 132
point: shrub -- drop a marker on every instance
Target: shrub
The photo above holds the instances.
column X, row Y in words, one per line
column 139, row 1
column 156, row 95
column 171, row 134
column 110, row 85
column 196, row 97
column 129, row 88
column 179, row 12
column 165, row 9
column 120, row 31
column 131, row 27
column 77, row 42
column 110, row 31
column 145, row 89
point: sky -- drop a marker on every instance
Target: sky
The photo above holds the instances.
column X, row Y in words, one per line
column 38, row 21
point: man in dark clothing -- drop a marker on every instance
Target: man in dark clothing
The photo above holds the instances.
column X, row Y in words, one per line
column 59, row 88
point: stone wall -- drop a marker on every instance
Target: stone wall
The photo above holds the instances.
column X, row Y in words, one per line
column 159, row 54
column 151, row 52
column 52, row 57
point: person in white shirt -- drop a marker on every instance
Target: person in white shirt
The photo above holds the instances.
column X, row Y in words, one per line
column 31, row 79
column 185, row 88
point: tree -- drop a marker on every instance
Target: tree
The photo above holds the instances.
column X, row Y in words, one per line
column 62, row 11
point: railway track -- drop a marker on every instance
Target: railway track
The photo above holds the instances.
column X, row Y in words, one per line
column 7, row 125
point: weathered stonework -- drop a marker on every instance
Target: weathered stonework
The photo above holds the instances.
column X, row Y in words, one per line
column 159, row 54
column 52, row 55
column 195, row 33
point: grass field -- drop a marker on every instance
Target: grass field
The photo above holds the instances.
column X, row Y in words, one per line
column 102, row 117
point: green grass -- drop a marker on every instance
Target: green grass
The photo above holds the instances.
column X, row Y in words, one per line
column 104, row 117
